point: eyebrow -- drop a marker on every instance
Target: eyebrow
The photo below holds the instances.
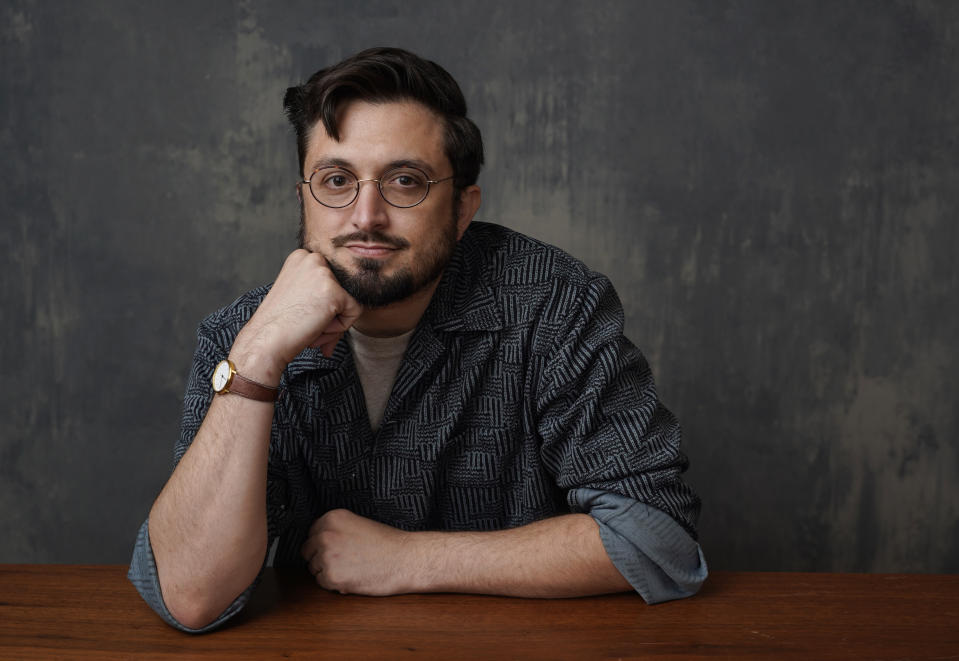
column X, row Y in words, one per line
column 347, row 165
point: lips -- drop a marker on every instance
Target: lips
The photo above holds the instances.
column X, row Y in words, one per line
column 370, row 244
column 370, row 249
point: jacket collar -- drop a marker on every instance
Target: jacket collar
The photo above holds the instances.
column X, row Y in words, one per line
column 464, row 300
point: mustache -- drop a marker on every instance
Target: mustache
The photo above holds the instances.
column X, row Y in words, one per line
column 370, row 237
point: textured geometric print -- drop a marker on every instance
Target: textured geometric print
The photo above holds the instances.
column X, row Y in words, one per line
column 516, row 387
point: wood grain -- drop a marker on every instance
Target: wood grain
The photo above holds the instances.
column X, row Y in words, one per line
column 92, row 612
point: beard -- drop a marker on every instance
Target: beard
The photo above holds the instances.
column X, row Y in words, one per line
column 367, row 284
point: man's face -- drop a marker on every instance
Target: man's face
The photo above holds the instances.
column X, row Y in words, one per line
column 383, row 254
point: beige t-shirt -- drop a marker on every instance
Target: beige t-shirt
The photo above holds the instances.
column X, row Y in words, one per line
column 377, row 362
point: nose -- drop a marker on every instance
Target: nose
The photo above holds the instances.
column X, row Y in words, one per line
column 369, row 209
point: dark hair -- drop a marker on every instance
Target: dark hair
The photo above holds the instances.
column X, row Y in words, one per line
column 379, row 75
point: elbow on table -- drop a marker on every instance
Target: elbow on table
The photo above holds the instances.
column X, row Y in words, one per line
column 193, row 611
column 195, row 598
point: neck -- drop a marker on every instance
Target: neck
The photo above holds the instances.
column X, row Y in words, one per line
column 396, row 318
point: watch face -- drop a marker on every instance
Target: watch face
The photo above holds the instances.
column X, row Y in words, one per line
column 221, row 376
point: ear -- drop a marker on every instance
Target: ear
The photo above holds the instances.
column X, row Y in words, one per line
column 299, row 193
column 470, row 199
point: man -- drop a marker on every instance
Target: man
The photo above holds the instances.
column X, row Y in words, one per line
column 417, row 403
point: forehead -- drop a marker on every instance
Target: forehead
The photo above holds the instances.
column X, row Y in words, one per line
column 376, row 135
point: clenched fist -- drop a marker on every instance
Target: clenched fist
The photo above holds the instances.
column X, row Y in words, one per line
column 352, row 554
column 306, row 307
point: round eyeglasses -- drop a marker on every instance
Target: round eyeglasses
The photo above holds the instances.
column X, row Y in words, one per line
column 336, row 187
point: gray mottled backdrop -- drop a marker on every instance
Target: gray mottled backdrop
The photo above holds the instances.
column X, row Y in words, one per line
column 772, row 187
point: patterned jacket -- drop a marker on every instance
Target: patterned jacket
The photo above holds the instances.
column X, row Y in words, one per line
column 518, row 398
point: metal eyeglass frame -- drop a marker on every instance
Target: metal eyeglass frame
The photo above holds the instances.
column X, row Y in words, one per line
column 379, row 186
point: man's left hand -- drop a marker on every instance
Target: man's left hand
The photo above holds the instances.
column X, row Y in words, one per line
column 355, row 555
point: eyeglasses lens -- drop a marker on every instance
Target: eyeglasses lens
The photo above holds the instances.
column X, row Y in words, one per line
column 402, row 187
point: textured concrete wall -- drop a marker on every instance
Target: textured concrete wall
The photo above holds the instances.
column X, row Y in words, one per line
column 772, row 187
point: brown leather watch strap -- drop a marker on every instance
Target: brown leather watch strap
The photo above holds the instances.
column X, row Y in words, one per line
column 240, row 385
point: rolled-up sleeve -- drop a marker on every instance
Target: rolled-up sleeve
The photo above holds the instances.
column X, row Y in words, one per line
column 615, row 449
column 654, row 553
column 143, row 575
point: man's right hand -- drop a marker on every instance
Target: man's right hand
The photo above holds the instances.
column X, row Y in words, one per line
column 306, row 307
column 208, row 527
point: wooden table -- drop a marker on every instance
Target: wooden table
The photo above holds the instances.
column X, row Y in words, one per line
column 92, row 612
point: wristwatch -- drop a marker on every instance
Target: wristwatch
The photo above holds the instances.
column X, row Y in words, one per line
column 226, row 379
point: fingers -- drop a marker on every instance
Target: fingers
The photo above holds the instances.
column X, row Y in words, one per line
column 305, row 307
column 326, row 546
column 326, row 341
column 314, row 539
column 314, row 558
column 350, row 312
column 340, row 322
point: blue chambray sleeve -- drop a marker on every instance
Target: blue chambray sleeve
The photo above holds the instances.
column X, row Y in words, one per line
column 654, row 553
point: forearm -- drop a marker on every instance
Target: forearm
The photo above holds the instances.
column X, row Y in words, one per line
column 557, row 557
column 208, row 525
